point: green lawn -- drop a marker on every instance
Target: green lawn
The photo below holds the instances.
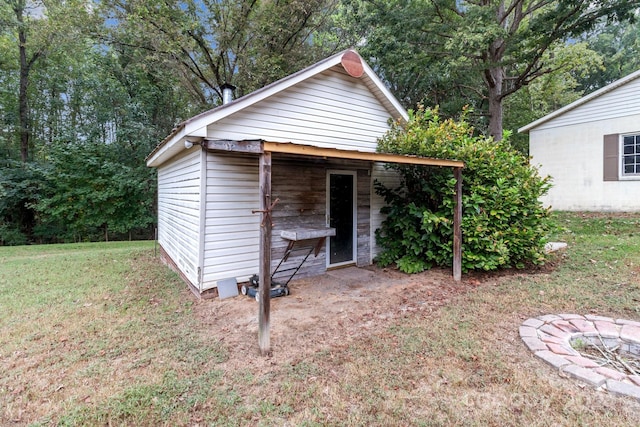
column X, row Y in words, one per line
column 104, row 334
column 96, row 333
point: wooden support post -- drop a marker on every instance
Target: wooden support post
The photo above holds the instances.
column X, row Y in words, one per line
column 265, row 255
column 457, row 228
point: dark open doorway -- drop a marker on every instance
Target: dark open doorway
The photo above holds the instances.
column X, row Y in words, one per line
column 342, row 213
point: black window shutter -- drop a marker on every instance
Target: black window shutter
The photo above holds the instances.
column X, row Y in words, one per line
column 611, row 157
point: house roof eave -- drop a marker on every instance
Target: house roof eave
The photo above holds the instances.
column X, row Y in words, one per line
column 581, row 101
column 166, row 147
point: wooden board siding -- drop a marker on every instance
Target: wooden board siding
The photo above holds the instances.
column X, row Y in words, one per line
column 390, row 178
column 301, row 187
column 179, row 212
column 620, row 102
column 231, row 242
column 331, row 110
column 364, row 217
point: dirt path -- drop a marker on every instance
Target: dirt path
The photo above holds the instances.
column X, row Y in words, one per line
column 325, row 311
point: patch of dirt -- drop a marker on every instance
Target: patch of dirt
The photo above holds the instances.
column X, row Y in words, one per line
column 327, row 311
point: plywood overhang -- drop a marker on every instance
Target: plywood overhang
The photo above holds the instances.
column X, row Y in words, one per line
column 259, row 146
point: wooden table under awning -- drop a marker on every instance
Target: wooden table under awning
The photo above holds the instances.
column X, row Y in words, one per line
column 307, row 235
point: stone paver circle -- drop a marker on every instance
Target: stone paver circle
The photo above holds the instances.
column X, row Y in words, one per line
column 550, row 336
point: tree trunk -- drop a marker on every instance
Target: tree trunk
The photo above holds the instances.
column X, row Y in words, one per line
column 23, row 106
column 494, row 77
column 494, row 84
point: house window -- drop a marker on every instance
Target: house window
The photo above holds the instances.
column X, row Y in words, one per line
column 631, row 155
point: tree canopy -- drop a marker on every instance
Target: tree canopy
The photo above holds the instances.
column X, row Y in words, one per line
column 87, row 89
column 248, row 44
column 448, row 52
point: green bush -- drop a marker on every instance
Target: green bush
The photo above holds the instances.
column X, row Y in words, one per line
column 20, row 186
column 503, row 222
column 79, row 191
column 11, row 236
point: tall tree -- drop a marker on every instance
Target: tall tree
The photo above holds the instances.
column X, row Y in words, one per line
column 486, row 49
column 94, row 113
column 26, row 60
column 551, row 91
column 211, row 42
column 37, row 28
column 618, row 45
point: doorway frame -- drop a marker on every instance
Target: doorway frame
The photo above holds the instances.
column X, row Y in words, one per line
column 354, row 231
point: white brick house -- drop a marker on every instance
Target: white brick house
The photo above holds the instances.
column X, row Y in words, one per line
column 591, row 149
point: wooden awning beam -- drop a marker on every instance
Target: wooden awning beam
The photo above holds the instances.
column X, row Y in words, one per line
column 308, row 150
column 247, row 146
column 256, row 146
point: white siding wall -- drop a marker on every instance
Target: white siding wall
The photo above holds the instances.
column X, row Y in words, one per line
column 619, row 103
column 572, row 156
column 179, row 211
column 232, row 232
column 331, row 110
column 389, row 178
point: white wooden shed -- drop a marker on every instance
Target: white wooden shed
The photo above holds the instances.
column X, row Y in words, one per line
column 318, row 130
column 591, row 149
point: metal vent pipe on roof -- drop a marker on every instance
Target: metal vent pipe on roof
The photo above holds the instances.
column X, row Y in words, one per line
column 227, row 93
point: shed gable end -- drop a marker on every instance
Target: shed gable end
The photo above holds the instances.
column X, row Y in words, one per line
column 330, row 110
